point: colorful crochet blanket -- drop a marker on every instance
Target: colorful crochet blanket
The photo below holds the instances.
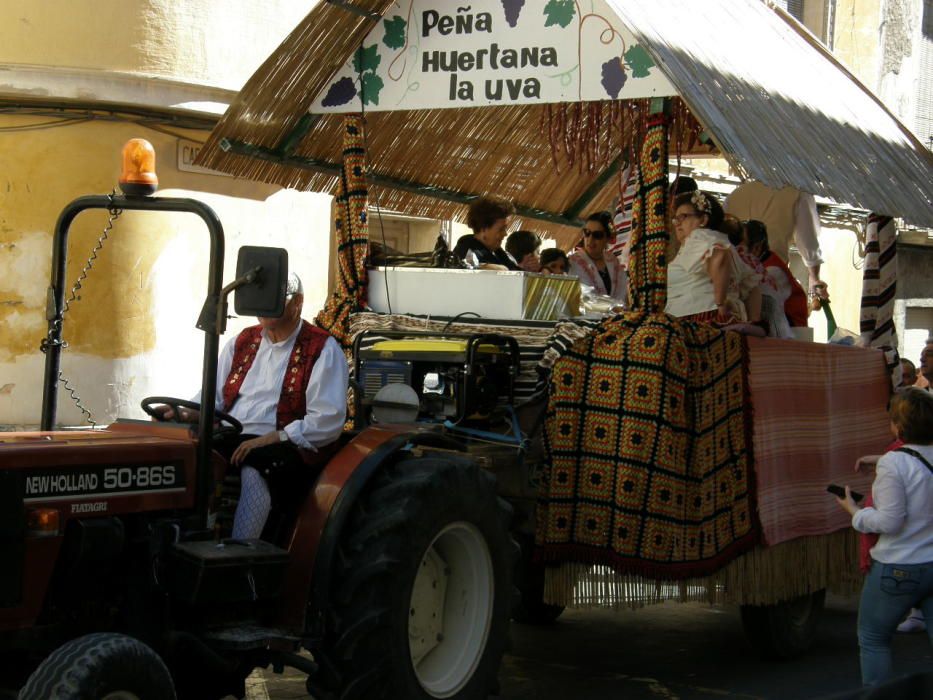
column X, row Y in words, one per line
column 647, row 437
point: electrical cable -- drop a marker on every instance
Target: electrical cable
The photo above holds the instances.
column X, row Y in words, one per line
column 460, row 315
column 45, row 125
column 62, row 118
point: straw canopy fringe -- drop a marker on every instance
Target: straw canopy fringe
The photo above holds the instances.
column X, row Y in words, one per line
column 775, row 101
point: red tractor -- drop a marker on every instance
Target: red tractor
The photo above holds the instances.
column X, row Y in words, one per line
column 395, row 573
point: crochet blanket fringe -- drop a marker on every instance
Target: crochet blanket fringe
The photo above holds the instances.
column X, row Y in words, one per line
column 761, row 576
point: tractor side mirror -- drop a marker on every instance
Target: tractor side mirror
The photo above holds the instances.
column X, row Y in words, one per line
column 263, row 291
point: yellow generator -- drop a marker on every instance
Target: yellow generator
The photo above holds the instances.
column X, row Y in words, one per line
column 448, row 378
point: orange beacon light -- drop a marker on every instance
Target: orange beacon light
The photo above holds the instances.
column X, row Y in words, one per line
column 138, row 177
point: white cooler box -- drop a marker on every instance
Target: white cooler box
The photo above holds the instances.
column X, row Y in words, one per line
column 488, row 293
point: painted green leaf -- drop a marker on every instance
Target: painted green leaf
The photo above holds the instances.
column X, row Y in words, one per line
column 366, row 59
column 639, row 61
column 559, row 12
column 372, row 84
column 395, row 32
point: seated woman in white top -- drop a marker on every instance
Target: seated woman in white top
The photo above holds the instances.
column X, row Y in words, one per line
column 594, row 265
column 901, row 575
column 707, row 280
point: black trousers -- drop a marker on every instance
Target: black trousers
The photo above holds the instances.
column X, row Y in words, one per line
column 281, row 465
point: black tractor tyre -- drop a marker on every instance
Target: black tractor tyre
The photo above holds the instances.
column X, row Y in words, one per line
column 422, row 591
column 785, row 630
column 97, row 665
column 530, row 608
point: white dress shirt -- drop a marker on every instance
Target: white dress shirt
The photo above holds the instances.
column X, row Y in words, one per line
column 903, row 509
column 806, row 236
column 255, row 407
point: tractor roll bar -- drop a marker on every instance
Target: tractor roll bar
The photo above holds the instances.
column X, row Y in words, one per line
column 55, row 311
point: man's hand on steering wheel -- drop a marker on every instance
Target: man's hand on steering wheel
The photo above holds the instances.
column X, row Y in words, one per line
column 168, row 408
column 165, row 413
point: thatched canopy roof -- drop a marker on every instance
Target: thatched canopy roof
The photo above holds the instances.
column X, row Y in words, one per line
column 785, row 113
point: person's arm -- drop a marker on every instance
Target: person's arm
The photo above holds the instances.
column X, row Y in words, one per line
column 866, row 462
column 719, row 267
column 753, row 305
column 806, row 237
column 749, row 281
column 889, row 512
column 326, row 398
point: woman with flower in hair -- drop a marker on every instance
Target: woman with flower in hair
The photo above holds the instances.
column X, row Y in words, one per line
column 707, row 280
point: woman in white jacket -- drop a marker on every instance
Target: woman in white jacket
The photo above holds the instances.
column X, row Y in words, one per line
column 901, row 575
column 594, row 265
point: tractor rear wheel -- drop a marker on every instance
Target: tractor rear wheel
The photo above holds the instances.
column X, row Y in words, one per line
column 422, row 594
column 100, row 667
column 785, row 630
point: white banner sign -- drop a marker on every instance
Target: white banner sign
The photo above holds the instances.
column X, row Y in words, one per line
column 432, row 54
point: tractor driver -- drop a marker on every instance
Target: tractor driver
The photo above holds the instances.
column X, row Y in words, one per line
column 285, row 380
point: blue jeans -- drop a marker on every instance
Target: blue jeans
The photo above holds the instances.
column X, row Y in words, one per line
column 889, row 592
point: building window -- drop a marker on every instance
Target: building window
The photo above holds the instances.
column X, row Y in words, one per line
column 794, row 8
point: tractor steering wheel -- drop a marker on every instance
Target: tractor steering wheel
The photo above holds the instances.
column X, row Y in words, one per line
column 233, row 427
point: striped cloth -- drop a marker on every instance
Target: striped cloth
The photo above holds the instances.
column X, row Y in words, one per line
column 623, row 216
column 879, row 281
column 818, row 408
column 879, row 285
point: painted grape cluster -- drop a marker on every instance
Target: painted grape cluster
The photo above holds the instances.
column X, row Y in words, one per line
column 614, row 77
column 512, row 10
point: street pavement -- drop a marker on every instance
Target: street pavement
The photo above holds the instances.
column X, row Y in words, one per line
column 665, row 652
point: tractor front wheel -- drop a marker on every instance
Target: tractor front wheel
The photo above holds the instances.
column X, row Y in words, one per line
column 100, row 667
column 422, row 594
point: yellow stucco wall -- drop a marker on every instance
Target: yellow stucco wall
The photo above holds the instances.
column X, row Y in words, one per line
column 132, row 331
column 857, row 40
column 44, row 171
column 138, row 305
column 214, row 42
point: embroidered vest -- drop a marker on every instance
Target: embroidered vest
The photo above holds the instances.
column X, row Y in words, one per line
column 795, row 308
column 292, row 405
